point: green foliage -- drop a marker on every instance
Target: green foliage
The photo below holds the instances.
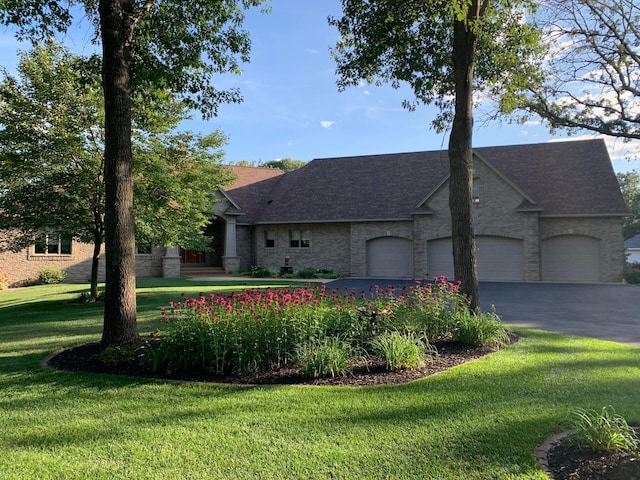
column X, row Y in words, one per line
column 88, row 297
column 630, row 188
column 176, row 173
column 50, row 276
column 47, row 115
column 252, row 330
column 480, row 329
column 397, row 42
column 286, row 164
column 402, row 350
column 319, row 358
column 605, row 431
column 631, row 273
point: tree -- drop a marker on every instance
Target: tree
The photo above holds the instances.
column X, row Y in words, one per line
column 593, row 69
column 630, row 188
column 175, row 45
column 286, row 164
column 53, row 181
column 50, row 154
column 446, row 51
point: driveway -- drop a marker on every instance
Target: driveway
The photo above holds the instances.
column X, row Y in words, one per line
column 604, row 311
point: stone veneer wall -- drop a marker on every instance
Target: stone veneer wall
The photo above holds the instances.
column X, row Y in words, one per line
column 330, row 247
column 606, row 229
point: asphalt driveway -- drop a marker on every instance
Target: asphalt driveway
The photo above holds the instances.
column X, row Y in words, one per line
column 604, row 311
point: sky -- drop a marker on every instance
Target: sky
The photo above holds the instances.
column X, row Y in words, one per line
column 292, row 106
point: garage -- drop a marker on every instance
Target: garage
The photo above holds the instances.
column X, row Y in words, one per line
column 390, row 257
column 499, row 258
column 570, row 258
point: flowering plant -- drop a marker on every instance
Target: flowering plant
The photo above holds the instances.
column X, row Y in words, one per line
column 258, row 329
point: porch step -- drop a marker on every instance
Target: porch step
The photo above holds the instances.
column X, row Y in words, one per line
column 201, row 271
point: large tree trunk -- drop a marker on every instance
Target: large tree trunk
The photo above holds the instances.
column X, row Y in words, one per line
column 461, row 165
column 120, row 325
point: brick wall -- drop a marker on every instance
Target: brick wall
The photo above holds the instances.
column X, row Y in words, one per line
column 26, row 264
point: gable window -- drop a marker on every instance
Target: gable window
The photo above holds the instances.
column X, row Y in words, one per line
column 269, row 239
column 475, row 190
column 53, row 244
column 299, row 238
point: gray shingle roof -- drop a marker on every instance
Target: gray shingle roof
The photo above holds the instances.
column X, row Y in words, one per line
column 633, row 242
column 562, row 178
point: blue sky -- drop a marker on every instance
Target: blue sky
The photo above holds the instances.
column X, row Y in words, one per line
column 292, row 106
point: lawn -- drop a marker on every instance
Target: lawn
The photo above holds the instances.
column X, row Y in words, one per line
column 481, row 420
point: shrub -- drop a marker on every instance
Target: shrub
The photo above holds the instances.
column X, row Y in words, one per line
column 480, row 329
column 305, row 273
column 604, row 431
column 49, row 276
column 319, row 358
column 259, row 272
column 632, row 273
column 86, row 297
column 5, row 280
column 401, row 351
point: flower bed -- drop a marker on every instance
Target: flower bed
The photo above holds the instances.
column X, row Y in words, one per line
column 256, row 330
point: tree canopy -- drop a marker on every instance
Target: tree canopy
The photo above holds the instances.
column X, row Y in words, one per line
column 52, row 156
column 592, row 72
column 171, row 45
column 630, row 188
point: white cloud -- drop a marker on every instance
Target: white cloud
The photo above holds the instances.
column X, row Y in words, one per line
column 367, row 92
column 313, row 51
column 326, row 123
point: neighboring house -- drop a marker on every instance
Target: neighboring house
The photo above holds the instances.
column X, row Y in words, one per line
column 632, row 249
column 550, row 212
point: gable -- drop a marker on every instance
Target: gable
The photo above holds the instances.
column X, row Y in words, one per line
column 495, row 191
column 557, row 179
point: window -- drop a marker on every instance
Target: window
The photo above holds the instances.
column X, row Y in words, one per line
column 475, row 190
column 299, row 238
column 53, row 244
column 269, row 239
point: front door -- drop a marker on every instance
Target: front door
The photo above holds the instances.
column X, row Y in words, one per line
column 192, row 257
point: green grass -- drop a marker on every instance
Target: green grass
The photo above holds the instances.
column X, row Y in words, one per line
column 481, row 420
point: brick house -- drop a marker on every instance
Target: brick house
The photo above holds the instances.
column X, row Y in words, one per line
column 550, row 212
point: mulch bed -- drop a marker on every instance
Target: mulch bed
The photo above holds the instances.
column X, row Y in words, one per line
column 369, row 372
column 565, row 462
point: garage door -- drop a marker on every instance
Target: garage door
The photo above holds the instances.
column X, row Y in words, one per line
column 499, row 258
column 390, row 257
column 570, row 258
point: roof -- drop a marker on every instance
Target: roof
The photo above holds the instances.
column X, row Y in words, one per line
column 557, row 179
column 633, row 242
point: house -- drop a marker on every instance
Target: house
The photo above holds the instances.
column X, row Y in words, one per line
column 632, row 249
column 542, row 212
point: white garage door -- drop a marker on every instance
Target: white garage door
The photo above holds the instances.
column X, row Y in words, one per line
column 570, row 258
column 499, row 258
column 390, row 257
